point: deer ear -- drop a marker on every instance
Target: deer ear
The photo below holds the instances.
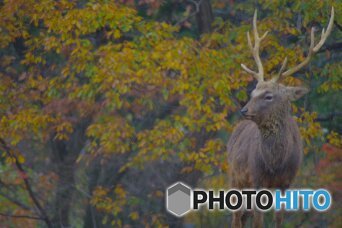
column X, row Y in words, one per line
column 294, row 93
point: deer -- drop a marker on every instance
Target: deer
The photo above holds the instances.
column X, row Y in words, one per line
column 265, row 149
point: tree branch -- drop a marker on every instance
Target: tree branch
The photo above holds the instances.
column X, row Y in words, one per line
column 11, row 199
column 328, row 117
column 332, row 47
column 338, row 25
column 27, row 183
column 21, row 216
column 197, row 9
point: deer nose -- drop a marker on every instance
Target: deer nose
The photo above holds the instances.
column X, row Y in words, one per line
column 244, row 110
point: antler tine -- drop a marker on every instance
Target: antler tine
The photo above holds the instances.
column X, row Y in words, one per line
column 313, row 48
column 255, row 51
column 276, row 78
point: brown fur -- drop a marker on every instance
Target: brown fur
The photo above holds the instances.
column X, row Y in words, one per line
column 265, row 150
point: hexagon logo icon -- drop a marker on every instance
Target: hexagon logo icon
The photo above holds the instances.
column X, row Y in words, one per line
column 178, row 200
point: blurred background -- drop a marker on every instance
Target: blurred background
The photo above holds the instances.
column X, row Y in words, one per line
column 104, row 104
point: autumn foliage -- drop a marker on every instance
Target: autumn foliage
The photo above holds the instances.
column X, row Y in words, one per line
column 103, row 104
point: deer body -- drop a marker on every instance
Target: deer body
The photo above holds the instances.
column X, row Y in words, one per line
column 265, row 150
column 264, row 162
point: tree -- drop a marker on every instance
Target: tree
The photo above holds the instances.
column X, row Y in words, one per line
column 102, row 108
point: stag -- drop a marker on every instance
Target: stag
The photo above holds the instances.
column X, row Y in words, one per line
column 265, row 150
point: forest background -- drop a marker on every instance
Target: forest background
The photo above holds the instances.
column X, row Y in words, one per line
column 104, row 104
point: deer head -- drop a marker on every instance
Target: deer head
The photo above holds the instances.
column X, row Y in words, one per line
column 270, row 98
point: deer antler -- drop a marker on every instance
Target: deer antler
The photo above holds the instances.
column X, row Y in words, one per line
column 255, row 50
column 312, row 50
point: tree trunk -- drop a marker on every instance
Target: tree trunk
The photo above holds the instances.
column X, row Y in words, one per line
column 204, row 17
column 64, row 194
column 91, row 219
column 64, row 155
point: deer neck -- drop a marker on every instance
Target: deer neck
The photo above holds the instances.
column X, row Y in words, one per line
column 273, row 134
column 275, row 124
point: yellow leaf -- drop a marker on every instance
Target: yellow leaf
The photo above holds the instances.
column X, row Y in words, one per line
column 21, row 159
column 134, row 215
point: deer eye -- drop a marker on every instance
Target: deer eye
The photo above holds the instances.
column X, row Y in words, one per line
column 268, row 97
